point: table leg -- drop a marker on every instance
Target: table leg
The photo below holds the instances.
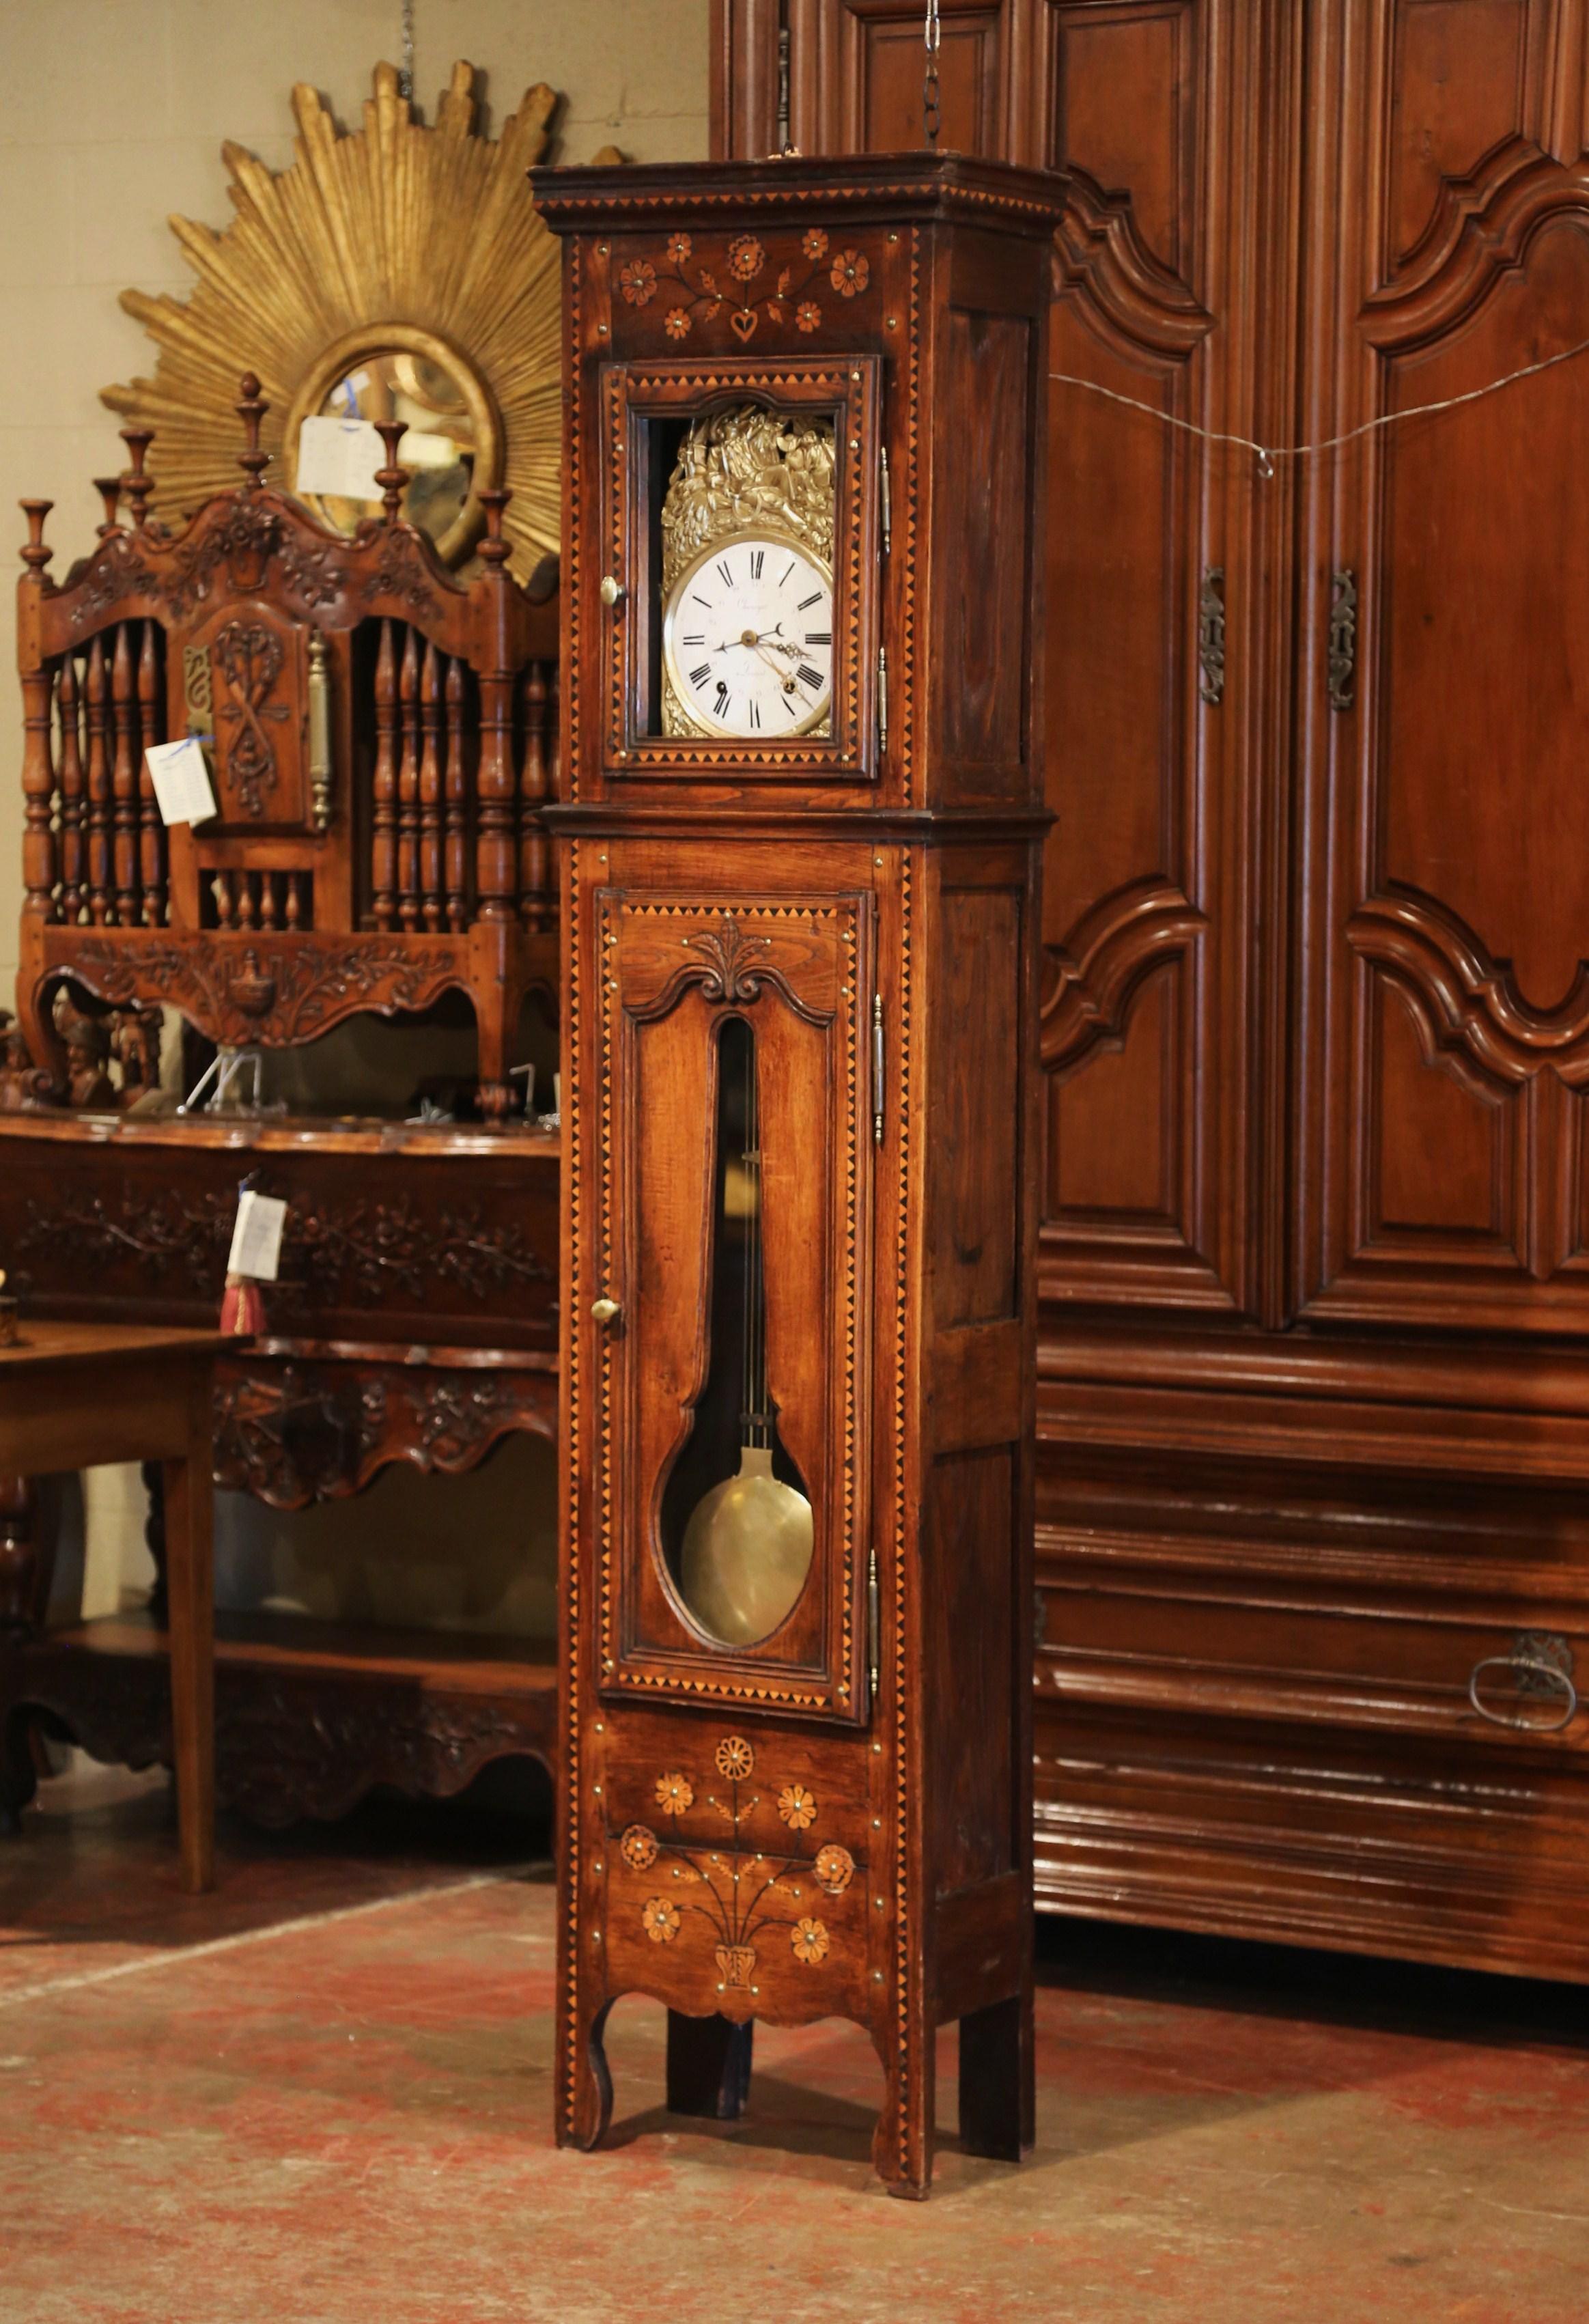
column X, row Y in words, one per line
column 190, row 1627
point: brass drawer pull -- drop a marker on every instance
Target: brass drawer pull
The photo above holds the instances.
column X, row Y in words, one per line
column 1541, row 1667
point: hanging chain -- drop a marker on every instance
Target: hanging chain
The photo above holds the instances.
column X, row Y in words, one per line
column 932, row 32
column 405, row 78
column 1268, row 454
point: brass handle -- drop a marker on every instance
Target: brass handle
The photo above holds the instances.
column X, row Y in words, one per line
column 613, row 593
column 1541, row 1667
column 605, row 1310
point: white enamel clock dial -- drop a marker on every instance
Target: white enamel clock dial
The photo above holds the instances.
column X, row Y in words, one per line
column 747, row 636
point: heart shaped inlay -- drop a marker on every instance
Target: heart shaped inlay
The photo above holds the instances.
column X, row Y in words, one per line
column 742, row 323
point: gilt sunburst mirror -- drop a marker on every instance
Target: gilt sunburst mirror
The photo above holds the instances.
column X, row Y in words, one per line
column 398, row 271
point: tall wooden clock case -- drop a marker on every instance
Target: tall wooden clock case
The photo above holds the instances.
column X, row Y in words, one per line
column 801, row 850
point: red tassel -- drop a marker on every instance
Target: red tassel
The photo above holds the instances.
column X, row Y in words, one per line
column 242, row 1308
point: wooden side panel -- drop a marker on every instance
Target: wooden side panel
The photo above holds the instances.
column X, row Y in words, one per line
column 970, row 1563
column 977, row 1040
column 984, row 644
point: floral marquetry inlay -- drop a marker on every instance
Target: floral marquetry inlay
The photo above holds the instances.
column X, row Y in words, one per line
column 744, row 281
column 738, row 1891
column 675, row 1796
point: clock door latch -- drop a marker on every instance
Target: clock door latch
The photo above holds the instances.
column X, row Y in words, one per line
column 886, row 500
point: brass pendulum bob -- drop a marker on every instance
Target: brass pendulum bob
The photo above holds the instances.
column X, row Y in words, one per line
column 747, row 1551
column 747, row 1547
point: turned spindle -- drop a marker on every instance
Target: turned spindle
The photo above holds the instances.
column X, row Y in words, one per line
column 40, row 870
column 136, row 484
column 124, row 776
column 34, row 555
column 69, row 705
column 430, row 715
column 392, row 478
column 150, row 824
column 95, row 694
column 407, row 785
column 533, row 900
column 496, row 869
column 251, row 410
column 109, row 489
column 384, row 786
column 458, row 866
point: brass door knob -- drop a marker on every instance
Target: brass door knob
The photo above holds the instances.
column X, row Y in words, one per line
column 605, row 1310
column 612, row 590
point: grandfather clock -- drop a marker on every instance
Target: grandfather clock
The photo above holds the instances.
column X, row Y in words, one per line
column 799, row 842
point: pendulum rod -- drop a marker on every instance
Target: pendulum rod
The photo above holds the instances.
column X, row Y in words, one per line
column 932, row 33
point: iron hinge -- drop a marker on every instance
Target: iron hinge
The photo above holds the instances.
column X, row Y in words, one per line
column 878, row 1063
column 873, row 1624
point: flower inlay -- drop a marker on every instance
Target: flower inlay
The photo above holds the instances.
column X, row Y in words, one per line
column 797, row 1807
column 638, row 1848
column 809, row 1939
column 834, row 1868
column 738, row 1889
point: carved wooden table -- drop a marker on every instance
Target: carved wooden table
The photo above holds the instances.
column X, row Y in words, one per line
column 415, row 1322
column 73, row 1396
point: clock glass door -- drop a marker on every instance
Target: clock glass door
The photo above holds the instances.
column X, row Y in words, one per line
column 734, row 1221
column 743, row 561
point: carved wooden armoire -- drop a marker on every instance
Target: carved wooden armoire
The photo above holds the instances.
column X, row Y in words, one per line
column 800, row 841
column 1313, row 1418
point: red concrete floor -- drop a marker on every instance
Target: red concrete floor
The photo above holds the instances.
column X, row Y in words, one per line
column 324, row 2094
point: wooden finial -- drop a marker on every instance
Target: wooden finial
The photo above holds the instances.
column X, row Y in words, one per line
column 251, row 411
column 135, row 485
column 35, row 555
column 109, row 489
column 494, row 548
column 392, row 479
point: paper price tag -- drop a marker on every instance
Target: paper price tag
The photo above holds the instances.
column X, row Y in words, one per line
column 338, row 458
column 182, row 788
column 257, row 1238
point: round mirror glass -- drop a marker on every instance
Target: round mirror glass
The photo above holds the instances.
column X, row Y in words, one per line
column 433, row 399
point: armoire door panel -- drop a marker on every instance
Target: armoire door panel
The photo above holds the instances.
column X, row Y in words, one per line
column 858, row 69
column 1153, row 106
column 1125, row 105
column 1459, row 89
column 1449, row 820
column 1143, row 757
column 1444, row 1140
column 1114, row 1158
